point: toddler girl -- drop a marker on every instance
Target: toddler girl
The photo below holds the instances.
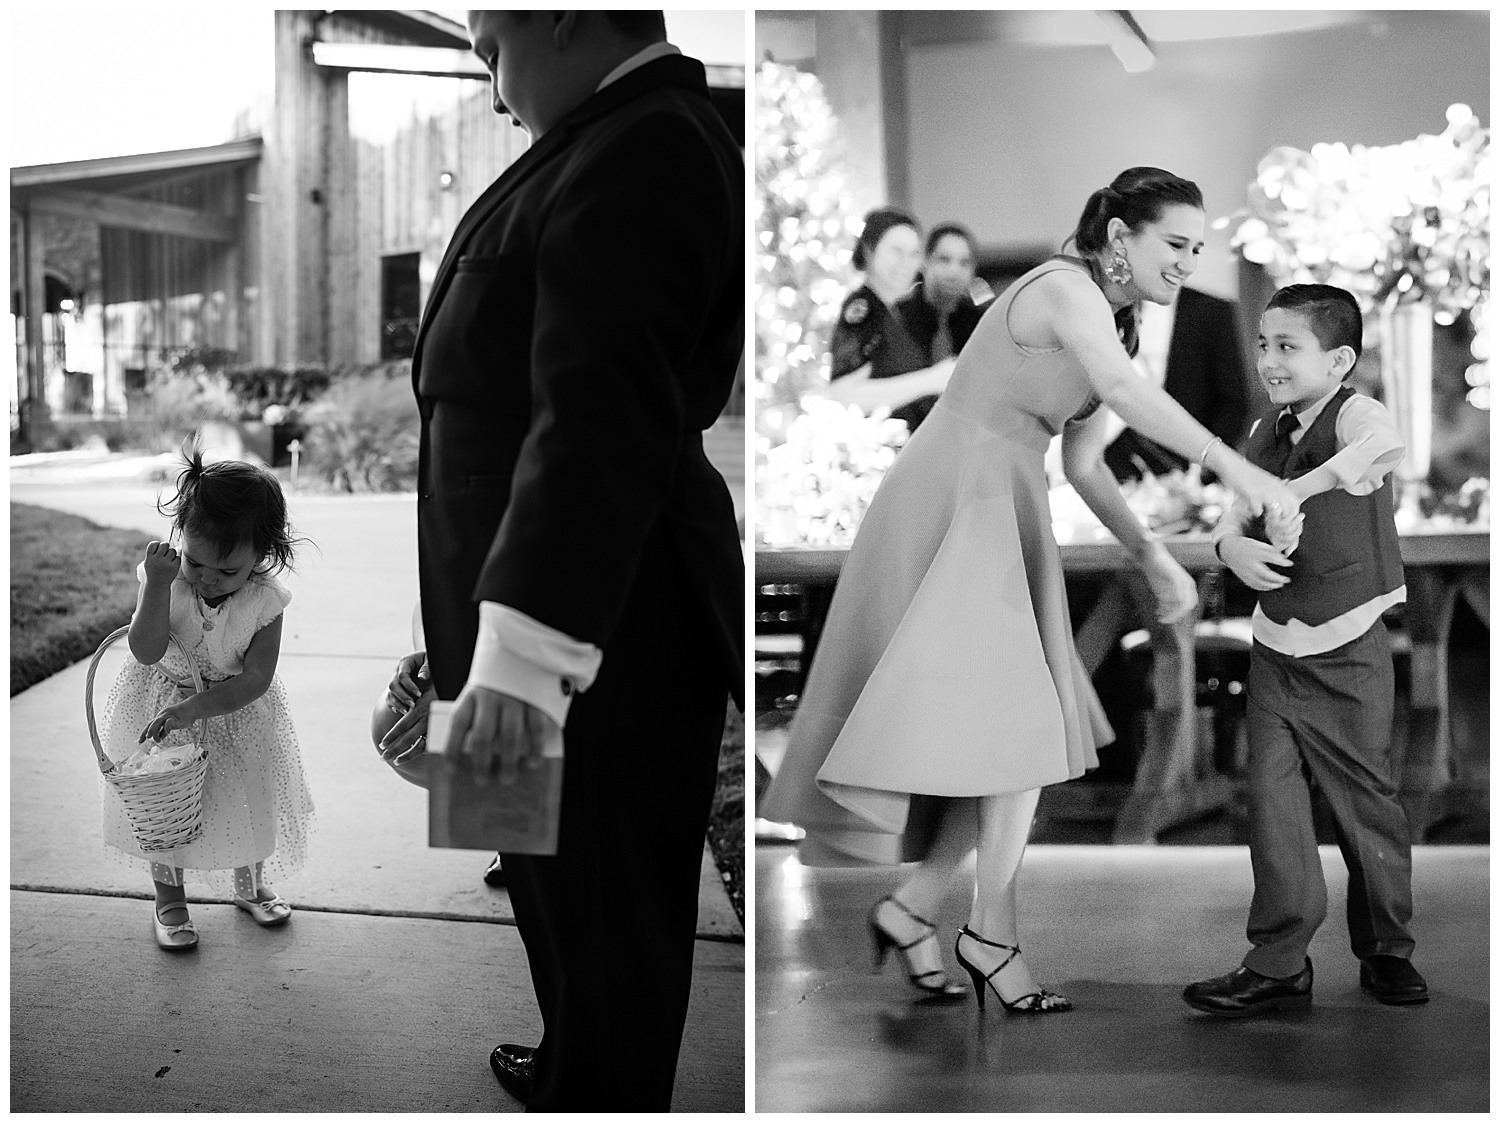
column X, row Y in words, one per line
column 214, row 591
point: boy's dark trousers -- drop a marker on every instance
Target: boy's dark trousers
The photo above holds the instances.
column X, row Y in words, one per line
column 1324, row 719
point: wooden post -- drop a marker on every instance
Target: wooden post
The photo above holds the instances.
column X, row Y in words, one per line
column 340, row 222
column 34, row 410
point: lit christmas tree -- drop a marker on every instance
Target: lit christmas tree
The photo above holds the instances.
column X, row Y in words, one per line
column 817, row 463
column 806, row 231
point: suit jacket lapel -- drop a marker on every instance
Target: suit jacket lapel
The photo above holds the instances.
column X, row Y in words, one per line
column 671, row 70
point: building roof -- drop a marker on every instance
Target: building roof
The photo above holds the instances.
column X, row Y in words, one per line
column 112, row 172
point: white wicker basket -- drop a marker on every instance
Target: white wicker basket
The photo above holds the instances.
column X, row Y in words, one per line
column 165, row 808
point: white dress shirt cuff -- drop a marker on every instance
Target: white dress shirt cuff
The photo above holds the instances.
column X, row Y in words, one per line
column 520, row 656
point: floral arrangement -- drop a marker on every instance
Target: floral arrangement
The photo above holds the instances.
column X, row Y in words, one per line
column 1402, row 223
column 813, row 488
column 1178, row 502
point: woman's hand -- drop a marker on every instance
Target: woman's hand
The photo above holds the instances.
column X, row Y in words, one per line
column 1173, row 587
column 162, row 563
column 177, row 716
column 408, row 737
column 1262, row 492
column 405, row 687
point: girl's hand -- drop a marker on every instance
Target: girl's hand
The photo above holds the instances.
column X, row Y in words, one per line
column 162, row 563
column 1173, row 587
column 405, row 687
column 174, row 717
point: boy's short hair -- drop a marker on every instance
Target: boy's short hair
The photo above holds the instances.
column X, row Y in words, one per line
column 1332, row 314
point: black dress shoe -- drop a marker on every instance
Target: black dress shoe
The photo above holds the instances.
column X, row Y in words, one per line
column 1242, row 993
column 1392, row 980
column 495, row 876
column 515, row 1065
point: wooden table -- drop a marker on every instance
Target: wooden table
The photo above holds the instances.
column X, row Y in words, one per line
column 1175, row 779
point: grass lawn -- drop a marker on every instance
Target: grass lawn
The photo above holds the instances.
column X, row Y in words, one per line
column 72, row 582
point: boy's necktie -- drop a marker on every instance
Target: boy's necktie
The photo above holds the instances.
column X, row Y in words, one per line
column 1286, row 425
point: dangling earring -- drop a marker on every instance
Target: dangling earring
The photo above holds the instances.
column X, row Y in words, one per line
column 1117, row 268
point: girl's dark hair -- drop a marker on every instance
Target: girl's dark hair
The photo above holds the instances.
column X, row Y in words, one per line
column 1136, row 196
column 230, row 504
column 877, row 222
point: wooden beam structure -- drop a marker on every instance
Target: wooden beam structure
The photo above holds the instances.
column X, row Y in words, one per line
column 138, row 214
column 392, row 58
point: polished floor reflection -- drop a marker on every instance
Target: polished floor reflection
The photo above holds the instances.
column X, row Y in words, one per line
column 1119, row 930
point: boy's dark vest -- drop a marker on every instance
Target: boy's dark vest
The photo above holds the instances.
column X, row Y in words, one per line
column 1348, row 553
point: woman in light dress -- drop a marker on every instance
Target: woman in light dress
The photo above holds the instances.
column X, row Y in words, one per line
column 946, row 690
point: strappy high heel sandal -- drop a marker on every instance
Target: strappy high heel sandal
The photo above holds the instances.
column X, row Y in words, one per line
column 934, row 982
column 1040, row 1001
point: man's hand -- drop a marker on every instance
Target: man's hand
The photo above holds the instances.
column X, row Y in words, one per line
column 1251, row 561
column 499, row 734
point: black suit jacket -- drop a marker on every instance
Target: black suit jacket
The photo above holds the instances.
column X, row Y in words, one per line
column 1205, row 373
column 583, row 329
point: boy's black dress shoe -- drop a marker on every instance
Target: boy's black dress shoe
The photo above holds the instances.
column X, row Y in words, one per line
column 515, row 1065
column 1392, row 980
column 1242, row 993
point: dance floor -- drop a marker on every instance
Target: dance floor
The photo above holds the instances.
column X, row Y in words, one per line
column 1119, row 930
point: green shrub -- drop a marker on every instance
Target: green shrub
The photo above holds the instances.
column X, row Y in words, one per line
column 362, row 434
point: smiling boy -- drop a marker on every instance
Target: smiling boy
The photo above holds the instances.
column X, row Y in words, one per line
column 1321, row 684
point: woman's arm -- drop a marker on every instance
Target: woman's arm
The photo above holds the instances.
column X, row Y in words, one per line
column 1078, row 315
column 1083, row 463
column 859, row 389
column 225, row 697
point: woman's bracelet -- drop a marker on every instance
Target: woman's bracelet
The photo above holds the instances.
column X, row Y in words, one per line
column 1203, row 456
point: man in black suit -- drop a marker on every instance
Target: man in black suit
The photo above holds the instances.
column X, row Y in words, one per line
column 1192, row 349
column 580, row 561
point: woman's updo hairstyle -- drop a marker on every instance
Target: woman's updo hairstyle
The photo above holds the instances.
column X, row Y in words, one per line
column 1136, row 196
column 877, row 222
column 230, row 504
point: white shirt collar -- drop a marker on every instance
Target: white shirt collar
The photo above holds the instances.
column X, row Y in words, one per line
column 638, row 60
column 1310, row 414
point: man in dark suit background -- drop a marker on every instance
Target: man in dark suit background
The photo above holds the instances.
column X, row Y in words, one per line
column 580, row 561
column 1192, row 349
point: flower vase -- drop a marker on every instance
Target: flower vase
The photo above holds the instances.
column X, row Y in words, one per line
column 1406, row 374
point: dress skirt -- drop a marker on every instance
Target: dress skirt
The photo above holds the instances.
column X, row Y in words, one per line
column 947, row 666
column 256, row 806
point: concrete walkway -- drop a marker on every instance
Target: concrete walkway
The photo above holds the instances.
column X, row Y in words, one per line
column 400, row 970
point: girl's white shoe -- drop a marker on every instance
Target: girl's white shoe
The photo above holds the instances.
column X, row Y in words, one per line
column 173, row 937
column 267, row 914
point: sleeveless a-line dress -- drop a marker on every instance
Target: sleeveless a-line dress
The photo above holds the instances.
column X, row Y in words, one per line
column 946, row 666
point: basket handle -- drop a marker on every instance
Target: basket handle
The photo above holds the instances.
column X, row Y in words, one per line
column 105, row 764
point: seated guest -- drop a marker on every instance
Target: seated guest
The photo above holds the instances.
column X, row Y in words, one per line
column 873, row 360
column 942, row 310
column 1190, row 348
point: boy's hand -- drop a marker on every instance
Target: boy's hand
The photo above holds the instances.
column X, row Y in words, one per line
column 180, row 715
column 1251, row 560
column 1283, row 530
column 162, row 563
